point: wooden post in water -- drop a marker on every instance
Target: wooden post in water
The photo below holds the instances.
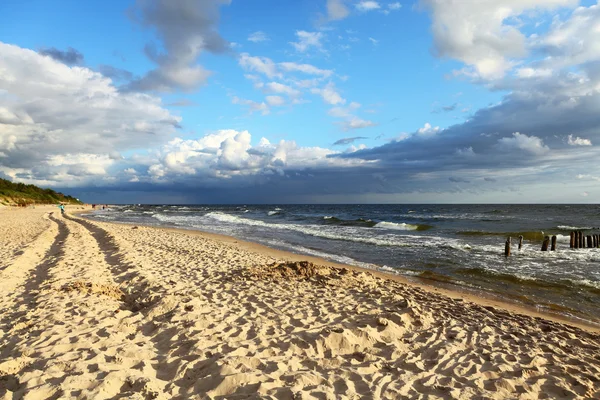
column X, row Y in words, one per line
column 581, row 244
column 589, row 241
column 553, row 248
column 572, row 243
column 595, row 241
column 507, row 248
column 520, row 241
column 545, row 243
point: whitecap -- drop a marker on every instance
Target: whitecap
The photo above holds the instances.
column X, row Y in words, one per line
column 400, row 227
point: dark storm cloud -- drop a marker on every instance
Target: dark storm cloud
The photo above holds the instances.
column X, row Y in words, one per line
column 349, row 140
column 114, row 73
column 69, row 57
column 449, row 108
column 544, row 112
column 457, row 179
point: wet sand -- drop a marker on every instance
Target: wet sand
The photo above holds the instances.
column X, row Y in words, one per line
column 99, row 310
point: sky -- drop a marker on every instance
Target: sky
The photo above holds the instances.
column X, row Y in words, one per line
column 302, row 101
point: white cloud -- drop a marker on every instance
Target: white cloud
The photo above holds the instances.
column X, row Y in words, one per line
column 305, row 68
column 329, row 94
column 367, row 5
column 80, row 165
column 275, row 101
column 530, row 144
column 588, row 177
column 183, row 41
column 261, row 65
column 336, row 10
column 392, row 7
column 528, row 72
column 227, row 154
column 68, row 124
column 307, row 40
column 267, row 67
column 577, row 141
column 574, row 41
column 307, row 83
column 427, row 130
column 253, row 106
column 357, row 123
column 258, row 36
column 276, row 87
column 374, row 41
column 351, row 121
column 480, row 33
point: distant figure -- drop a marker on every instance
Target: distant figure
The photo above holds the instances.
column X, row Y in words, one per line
column 62, row 209
column 94, row 206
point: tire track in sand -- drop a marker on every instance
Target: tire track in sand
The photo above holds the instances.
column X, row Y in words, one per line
column 20, row 283
column 22, row 279
column 81, row 329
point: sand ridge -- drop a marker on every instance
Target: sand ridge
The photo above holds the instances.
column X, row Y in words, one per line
column 98, row 310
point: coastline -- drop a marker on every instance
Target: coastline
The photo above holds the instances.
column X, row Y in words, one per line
column 105, row 310
column 456, row 292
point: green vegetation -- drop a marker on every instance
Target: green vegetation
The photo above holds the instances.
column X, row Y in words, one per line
column 22, row 194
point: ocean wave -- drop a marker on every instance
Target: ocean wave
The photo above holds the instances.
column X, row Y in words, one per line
column 461, row 216
column 395, row 226
column 177, row 219
column 587, row 282
column 270, row 213
column 351, row 234
column 329, row 220
column 534, row 235
column 524, row 279
column 401, row 226
column 573, row 228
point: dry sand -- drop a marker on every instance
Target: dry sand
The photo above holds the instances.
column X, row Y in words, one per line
column 93, row 310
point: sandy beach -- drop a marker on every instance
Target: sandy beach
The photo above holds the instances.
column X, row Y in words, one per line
column 94, row 310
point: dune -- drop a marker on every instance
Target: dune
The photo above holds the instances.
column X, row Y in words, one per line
column 99, row 310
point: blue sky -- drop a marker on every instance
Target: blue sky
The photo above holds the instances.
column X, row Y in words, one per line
column 302, row 101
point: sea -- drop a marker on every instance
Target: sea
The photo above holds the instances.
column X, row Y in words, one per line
column 459, row 247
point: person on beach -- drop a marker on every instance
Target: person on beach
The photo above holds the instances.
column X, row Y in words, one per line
column 62, row 209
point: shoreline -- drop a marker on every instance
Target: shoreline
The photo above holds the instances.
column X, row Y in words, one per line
column 107, row 310
column 478, row 297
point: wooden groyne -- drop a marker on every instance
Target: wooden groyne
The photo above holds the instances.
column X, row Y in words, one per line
column 577, row 241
